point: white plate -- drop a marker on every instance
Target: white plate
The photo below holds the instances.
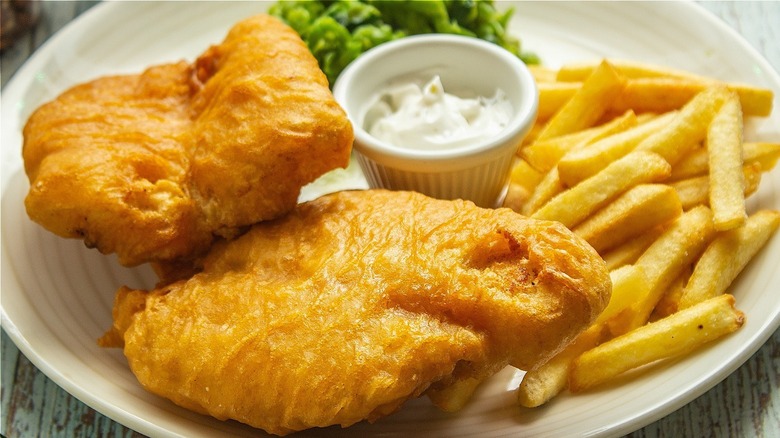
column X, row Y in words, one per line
column 57, row 295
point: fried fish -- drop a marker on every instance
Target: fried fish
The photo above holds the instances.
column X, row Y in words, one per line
column 153, row 166
column 356, row 302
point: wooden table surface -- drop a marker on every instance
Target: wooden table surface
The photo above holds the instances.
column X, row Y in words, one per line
column 747, row 403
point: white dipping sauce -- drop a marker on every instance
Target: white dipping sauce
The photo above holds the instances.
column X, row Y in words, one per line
column 429, row 118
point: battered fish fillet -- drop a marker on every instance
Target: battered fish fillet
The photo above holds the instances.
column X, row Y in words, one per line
column 354, row 303
column 153, row 166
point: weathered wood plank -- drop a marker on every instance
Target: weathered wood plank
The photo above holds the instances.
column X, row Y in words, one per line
column 34, row 406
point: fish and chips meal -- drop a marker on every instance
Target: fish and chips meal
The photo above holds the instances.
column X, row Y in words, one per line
column 625, row 224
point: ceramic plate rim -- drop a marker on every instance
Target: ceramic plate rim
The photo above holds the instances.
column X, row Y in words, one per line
column 21, row 80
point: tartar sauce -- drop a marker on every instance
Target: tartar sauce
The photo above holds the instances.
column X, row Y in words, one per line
column 427, row 117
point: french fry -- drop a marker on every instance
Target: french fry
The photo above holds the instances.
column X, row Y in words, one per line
column 680, row 245
column 628, row 283
column 553, row 96
column 633, row 213
column 696, row 191
column 549, row 187
column 629, row 252
column 568, row 140
column 545, row 382
column 587, row 105
column 688, row 128
column 672, row 336
column 696, row 163
column 763, row 153
column 754, row 101
column 585, row 162
column 523, row 180
column 544, row 155
column 659, row 89
column 692, row 191
column 727, row 181
column 629, row 68
column 657, row 94
column 669, row 302
column 516, row 197
column 455, row 396
column 572, row 206
column 536, row 129
column 727, row 256
column 525, row 175
column 542, row 73
column 665, row 94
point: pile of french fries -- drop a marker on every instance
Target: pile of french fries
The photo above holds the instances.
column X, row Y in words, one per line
column 649, row 166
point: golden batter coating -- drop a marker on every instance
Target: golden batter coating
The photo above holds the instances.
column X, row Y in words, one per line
column 153, row 166
column 354, row 303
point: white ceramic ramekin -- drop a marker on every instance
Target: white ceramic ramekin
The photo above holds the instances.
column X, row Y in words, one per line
column 478, row 172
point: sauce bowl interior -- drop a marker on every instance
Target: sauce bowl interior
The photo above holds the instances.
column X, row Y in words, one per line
column 467, row 66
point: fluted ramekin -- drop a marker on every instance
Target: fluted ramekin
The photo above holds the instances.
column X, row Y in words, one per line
column 478, row 171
